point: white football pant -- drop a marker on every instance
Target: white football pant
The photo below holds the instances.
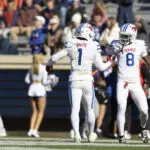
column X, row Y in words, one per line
column 79, row 90
column 96, row 112
column 2, row 129
column 138, row 97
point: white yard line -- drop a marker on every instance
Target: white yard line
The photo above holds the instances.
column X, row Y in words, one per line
column 59, row 139
column 62, row 142
column 31, row 148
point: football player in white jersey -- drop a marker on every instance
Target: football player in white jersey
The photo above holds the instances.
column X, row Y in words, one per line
column 130, row 51
column 83, row 52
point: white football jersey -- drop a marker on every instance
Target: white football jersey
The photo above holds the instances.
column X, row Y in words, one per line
column 82, row 53
column 129, row 61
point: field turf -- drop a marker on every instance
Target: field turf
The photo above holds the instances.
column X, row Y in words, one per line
column 21, row 143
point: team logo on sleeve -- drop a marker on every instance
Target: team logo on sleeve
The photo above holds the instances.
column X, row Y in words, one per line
column 134, row 29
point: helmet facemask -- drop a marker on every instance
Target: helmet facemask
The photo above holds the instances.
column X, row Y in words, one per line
column 125, row 39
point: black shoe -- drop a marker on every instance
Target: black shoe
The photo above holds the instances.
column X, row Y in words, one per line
column 122, row 140
column 144, row 136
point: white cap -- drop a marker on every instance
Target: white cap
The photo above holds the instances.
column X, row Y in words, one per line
column 41, row 19
column 54, row 20
column 76, row 18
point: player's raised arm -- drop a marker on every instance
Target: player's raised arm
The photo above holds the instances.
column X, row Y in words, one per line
column 55, row 58
column 100, row 64
column 145, row 56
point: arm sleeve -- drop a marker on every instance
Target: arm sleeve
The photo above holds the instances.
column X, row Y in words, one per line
column 27, row 77
column 99, row 63
column 57, row 57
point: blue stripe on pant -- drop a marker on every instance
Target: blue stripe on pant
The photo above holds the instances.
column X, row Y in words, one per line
column 70, row 95
column 93, row 97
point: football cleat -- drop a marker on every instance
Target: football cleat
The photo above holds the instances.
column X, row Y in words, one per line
column 122, row 140
column 92, row 137
column 72, row 134
column 77, row 138
column 84, row 135
column 148, row 134
column 144, row 136
column 3, row 133
column 127, row 135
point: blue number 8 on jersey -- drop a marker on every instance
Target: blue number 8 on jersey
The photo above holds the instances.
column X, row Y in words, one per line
column 130, row 59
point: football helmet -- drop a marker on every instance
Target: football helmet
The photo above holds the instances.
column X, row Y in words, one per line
column 128, row 33
column 85, row 30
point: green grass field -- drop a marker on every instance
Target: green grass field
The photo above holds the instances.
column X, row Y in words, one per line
column 21, row 143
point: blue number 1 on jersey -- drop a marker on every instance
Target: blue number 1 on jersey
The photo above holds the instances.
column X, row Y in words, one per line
column 130, row 59
column 80, row 56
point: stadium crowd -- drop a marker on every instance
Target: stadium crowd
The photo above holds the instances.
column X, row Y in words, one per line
column 48, row 24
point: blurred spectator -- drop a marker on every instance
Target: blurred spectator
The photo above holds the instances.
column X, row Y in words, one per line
column 144, row 1
column 143, row 29
column 25, row 21
column 3, row 4
column 39, row 4
column 69, row 31
column 86, row 1
column 110, row 33
column 53, row 40
column 49, row 11
column 62, row 6
column 103, row 98
column 125, row 12
column 10, row 14
column 18, row 3
column 1, row 15
column 75, row 8
column 38, row 36
column 4, row 32
column 6, row 48
column 100, row 9
column 98, row 26
column 111, row 80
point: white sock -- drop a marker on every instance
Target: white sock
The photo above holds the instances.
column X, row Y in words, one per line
column 76, row 101
column 121, row 119
column 91, row 120
column 75, row 121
